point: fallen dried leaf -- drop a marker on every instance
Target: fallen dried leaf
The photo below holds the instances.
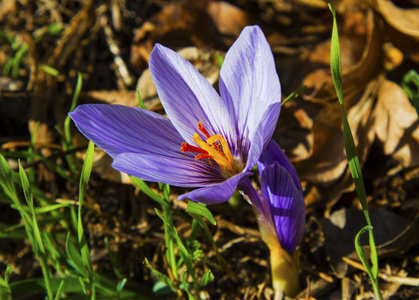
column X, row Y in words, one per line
column 402, row 27
column 203, row 24
column 396, row 124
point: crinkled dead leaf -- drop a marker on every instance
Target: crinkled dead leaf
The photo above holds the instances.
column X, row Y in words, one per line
column 402, row 26
column 396, row 124
column 319, row 156
column 203, row 24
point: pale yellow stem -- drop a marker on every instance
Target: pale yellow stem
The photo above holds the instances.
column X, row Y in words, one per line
column 284, row 272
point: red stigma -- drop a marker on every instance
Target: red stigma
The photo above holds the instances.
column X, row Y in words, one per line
column 189, row 148
column 203, row 130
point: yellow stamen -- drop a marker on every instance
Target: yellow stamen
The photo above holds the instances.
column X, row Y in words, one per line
column 223, row 142
column 224, row 160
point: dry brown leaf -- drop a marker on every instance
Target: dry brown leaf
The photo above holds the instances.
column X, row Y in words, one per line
column 203, row 24
column 319, row 156
column 7, row 8
column 402, row 27
column 397, row 125
column 360, row 44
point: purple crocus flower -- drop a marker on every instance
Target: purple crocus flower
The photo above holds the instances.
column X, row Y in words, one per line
column 282, row 196
column 210, row 141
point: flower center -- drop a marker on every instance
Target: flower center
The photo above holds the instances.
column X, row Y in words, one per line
column 215, row 147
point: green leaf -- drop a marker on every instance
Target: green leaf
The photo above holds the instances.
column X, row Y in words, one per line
column 74, row 257
column 6, row 181
column 208, row 277
column 220, row 60
column 50, row 70
column 55, row 28
column 185, row 286
column 410, row 79
column 8, row 272
column 360, row 250
column 83, row 285
column 140, row 101
column 121, row 285
column 149, row 192
column 294, row 94
column 201, row 210
column 160, row 276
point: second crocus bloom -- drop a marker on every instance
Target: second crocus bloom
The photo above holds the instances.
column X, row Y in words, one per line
column 280, row 211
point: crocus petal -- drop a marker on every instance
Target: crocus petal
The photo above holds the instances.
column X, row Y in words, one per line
column 263, row 134
column 249, row 80
column 286, row 205
column 183, row 172
column 187, row 97
column 217, row 193
column 117, row 129
column 273, row 153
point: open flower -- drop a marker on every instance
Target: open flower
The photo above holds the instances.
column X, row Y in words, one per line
column 210, row 141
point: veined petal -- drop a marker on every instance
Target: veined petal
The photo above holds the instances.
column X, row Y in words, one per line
column 217, row 193
column 262, row 134
column 273, row 153
column 188, row 97
column 184, row 172
column 249, row 80
column 286, row 205
column 117, row 129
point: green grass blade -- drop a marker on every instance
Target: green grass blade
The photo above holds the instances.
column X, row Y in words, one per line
column 29, row 199
column 84, row 180
column 58, row 293
column 71, row 285
column 353, row 160
column 72, row 160
column 84, row 249
column 182, row 249
column 37, row 243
